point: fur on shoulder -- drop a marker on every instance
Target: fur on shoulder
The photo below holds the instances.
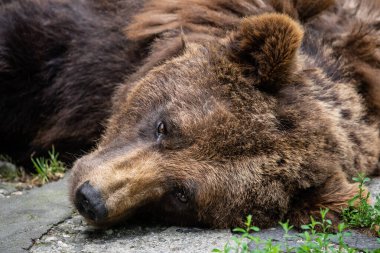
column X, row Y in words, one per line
column 213, row 17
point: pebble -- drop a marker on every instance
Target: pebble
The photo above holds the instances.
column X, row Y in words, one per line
column 62, row 244
column 77, row 220
column 3, row 192
column 80, row 237
column 50, row 239
column 18, row 193
column 109, row 232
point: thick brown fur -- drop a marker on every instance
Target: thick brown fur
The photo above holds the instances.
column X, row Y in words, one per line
column 265, row 114
column 60, row 61
column 241, row 107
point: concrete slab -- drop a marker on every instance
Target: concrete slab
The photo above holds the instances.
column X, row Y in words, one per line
column 26, row 217
column 75, row 236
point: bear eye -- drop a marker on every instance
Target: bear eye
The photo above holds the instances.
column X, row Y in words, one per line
column 181, row 196
column 161, row 129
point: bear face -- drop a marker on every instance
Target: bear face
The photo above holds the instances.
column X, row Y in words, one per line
column 226, row 128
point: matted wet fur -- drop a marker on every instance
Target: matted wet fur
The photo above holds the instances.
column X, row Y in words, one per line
column 241, row 107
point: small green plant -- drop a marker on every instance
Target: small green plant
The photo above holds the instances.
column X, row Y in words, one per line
column 316, row 236
column 318, row 239
column 285, row 226
column 313, row 241
column 240, row 244
column 340, row 236
column 48, row 168
column 360, row 213
column 6, row 158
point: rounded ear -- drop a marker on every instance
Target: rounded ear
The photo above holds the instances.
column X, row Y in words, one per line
column 266, row 47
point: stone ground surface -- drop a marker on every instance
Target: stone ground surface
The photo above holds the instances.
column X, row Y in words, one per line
column 42, row 220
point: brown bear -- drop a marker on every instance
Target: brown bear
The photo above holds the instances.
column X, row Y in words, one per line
column 59, row 61
column 242, row 107
column 234, row 107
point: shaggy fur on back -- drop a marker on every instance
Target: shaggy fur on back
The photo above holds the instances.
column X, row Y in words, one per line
column 59, row 61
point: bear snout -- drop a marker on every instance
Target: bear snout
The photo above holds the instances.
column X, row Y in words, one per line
column 89, row 203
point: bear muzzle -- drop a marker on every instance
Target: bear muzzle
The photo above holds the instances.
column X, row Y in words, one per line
column 89, row 203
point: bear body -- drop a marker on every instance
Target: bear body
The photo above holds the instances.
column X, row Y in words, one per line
column 240, row 107
column 60, row 60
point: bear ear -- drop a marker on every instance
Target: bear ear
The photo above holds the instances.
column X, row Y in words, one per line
column 266, row 47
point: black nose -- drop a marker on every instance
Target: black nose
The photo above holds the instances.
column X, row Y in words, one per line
column 89, row 202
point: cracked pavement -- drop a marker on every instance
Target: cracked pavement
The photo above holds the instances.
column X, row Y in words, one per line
column 42, row 220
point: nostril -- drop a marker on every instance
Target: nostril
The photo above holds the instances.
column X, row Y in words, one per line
column 86, row 207
column 89, row 202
